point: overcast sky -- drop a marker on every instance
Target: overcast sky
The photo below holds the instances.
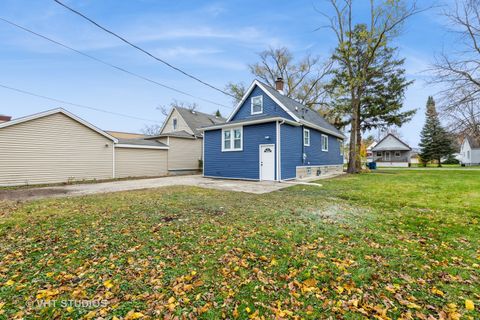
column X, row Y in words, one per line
column 212, row 40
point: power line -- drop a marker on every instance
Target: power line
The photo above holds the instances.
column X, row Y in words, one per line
column 143, row 50
column 75, row 104
column 109, row 64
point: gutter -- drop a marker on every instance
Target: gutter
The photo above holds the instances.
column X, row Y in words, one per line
column 249, row 122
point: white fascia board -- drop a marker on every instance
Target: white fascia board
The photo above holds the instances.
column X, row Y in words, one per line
column 290, row 113
column 166, row 120
column 135, row 146
column 311, row 125
column 244, row 98
column 250, row 89
column 53, row 111
column 247, row 123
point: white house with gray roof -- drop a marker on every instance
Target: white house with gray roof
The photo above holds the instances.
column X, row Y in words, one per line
column 470, row 151
column 391, row 152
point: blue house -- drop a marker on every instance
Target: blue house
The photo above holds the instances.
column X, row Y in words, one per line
column 271, row 137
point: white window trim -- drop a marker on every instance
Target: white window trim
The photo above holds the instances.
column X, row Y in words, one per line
column 251, row 105
column 308, row 143
column 323, row 137
column 232, row 139
column 173, row 124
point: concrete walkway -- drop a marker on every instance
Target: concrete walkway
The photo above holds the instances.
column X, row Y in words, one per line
column 114, row 186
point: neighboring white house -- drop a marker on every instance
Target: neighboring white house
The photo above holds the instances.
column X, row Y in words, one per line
column 391, row 152
column 57, row 146
column 470, row 151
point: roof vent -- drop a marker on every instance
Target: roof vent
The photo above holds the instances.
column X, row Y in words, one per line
column 4, row 118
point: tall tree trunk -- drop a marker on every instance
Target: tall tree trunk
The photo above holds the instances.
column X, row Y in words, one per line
column 352, row 159
column 358, row 159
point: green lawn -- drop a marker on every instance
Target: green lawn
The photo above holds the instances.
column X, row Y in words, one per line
column 389, row 244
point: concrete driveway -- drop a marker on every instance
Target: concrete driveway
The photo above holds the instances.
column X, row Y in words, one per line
column 114, row 186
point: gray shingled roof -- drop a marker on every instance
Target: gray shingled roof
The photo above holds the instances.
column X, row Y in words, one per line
column 142, row 142
column 196, row 120
column 301, row 111
column 178, row 134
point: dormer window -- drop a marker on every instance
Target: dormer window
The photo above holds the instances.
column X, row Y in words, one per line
column 257, row 105
column 174, row 124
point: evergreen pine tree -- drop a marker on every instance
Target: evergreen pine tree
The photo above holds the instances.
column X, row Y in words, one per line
column 435, row 141
column 217, row 113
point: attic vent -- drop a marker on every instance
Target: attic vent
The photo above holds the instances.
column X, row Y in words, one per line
column 193, row 111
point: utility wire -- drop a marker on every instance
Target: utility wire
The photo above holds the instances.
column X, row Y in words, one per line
column 143, row 50
column 74, row 104
column 109, row 64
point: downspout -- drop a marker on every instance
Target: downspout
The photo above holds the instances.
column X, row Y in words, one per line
column 279, row 153
column 303, row 145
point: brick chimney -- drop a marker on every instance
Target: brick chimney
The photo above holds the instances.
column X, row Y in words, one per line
column 5, row 118
column 279, row 84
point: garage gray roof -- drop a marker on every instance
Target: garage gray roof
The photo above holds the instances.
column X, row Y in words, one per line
column 142, row 142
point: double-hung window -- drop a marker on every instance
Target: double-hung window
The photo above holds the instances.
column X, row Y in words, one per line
column 232, row 139
column 324, row 142
column 306, row 137
column 257, row 105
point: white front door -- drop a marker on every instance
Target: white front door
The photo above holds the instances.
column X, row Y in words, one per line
column 267, row 162
column 387, row 155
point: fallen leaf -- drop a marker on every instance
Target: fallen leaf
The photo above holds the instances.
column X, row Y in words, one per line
column 469, row 305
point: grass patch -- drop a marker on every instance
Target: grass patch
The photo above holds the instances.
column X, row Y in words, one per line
column 402, row 244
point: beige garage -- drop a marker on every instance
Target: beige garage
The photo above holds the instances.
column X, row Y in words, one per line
column 56, row 146
column 140, row 158
column 53, row 146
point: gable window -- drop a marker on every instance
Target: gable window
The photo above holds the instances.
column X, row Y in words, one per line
column 174, row 124
column 232, row 139
column 257, row 105
column 324, row 142
column 306, row 137
column 397, row 154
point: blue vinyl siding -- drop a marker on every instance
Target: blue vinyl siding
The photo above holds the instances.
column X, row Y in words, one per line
column 291, row 150
column 315, row 155
column 270, row 108
column 237, row 164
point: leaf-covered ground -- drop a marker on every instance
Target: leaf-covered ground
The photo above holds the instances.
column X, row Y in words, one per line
column 392, row 244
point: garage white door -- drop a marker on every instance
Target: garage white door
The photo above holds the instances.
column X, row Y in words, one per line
column 136, row 162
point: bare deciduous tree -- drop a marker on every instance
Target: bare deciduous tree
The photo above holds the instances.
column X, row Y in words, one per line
column 303, row 78
column 459, row 71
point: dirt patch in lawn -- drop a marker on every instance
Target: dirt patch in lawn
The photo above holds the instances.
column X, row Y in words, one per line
column 16, row 194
